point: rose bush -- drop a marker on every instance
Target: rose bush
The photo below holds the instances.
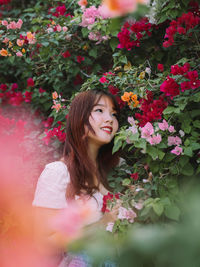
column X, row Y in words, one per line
column 148, row 59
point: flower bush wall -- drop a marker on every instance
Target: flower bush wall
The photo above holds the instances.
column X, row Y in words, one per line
column 148, row 59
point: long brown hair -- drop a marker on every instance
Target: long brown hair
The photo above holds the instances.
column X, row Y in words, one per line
column 80, row 166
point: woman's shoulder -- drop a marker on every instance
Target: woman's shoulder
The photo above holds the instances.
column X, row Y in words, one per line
column 51, row 186
column 55, row 172
column 60, row 165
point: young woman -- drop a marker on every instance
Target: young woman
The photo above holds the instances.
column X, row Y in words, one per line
column 91, row 125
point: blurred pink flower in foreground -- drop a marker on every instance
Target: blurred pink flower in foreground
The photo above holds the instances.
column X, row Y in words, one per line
column 115, row 8
column 70, row 221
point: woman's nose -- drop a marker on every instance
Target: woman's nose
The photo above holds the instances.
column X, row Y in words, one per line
column 108, row 117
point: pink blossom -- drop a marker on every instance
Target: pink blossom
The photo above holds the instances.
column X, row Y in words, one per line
column 174, row 140
column 30, row 82
column 80, row 59
column 154, row 140
column 171, row 129
column 89, row 16
column 41, row 90
column 12, row 25
column 14, row 86
column 6, row 40
column 160, row 67
column 163, row 125
column 127, row 214
column 147, row 130
column 134, row 176
column 131, row 121
column 109, row 227
column 138, row 206
column 19, row 54
column 177, row 150
column 4, row 22
column 49, row 29
column 58, row 28
column 103, row 80
column 19, row 24
column 70, row 221
column 65, row 28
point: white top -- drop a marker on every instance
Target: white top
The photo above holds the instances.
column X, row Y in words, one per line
column 51, row 188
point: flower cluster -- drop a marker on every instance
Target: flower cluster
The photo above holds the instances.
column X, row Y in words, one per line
column 132, row 33
column 13, row 97
column 97, row 36
column 109, row 197
column 130, row 98
column 57, row 101
column 59, row 11
column 12, row 24
column 115, row 91
column 180, row 26
column 148, row 133
column 55, row 132
column 171, row 88
column 152, row 109
column 89, row 17
column 4, row 2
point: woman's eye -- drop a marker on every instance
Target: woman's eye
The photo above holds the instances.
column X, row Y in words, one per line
column 114, row 115
column 98, row 110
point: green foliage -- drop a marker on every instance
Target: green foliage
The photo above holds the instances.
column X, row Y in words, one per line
column 64, row 58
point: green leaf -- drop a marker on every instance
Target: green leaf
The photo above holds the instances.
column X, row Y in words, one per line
column 172, row 212
column 126, row 182
column 183, row 160
column 93, row 52
column 117, row 145
column 113, row 43
column 153, row 152
column 170, row 110
column 84, row 32
column 188, row 170
column 188, row 151
column 45, row 43
column 158, row 208
column 161, row 154
column 196, row 123
column 195, row 146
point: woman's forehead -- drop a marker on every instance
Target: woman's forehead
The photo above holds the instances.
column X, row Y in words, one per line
column 105, row 101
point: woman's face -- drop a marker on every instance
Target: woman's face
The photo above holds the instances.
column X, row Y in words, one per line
column 103, row 120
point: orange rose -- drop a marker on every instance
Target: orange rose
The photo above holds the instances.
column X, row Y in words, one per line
column 54, row 95
column 20, row 42
column 3, row 52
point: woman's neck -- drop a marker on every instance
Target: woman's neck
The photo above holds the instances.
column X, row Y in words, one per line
column 93, row 151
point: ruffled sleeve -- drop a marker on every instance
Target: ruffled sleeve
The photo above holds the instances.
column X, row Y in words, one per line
column 51, row 187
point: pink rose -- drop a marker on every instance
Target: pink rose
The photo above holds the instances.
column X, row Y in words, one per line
column 19, row 54
column 4, row 22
